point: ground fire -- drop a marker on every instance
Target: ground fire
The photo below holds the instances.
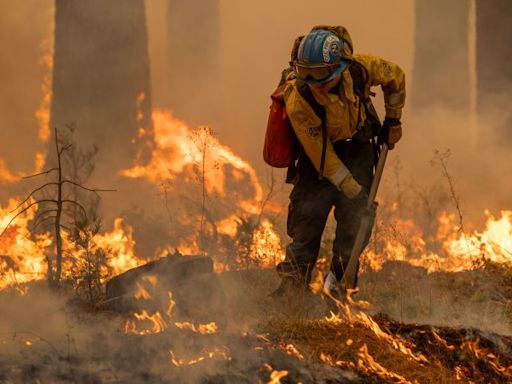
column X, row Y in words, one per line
column 137, row 245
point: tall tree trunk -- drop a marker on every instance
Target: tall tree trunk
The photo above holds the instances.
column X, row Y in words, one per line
column 494, row 64
column 193, row 51
column 441, row 63
column 101, row 77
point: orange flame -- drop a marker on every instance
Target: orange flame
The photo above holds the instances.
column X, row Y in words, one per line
column 24, row 255
column 458, row 251
column 120, row 245
column 176, row 150
column 206, row 354
column 146, row 323
column 204, row 329
column 6, row 176
column 368, row 364
column 43, row 112
column 195, row 157
column 347, row 315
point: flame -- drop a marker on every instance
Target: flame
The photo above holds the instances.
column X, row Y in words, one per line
column 368, row 364
column 293, row 351
column 276, row 376
column 42, row 115
column 6, row 176
column 120, row 245
column 204, row 329
column 266, row 245
column 206, row 354
column 178, row 147
column 155, row 321
column 23, row 257
column 351, row 317
column 43, row 112
column 457, row 251
column 141, row 293
column 194, row 163
column 146, row 323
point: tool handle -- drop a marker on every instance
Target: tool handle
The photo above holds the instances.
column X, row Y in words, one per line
column 378, row 175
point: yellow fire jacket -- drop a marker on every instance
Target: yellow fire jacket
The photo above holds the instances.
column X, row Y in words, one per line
column 342, row 111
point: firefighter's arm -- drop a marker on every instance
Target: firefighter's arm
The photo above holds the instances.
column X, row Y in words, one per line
column 390, row 77
column 308, row 128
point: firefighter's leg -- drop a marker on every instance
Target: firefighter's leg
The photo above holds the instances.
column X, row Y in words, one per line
column 348, row 212
column 307, row 214
column 348, row 217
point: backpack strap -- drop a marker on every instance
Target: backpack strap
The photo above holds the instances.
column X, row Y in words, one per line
column 319, row 110
column 359, row 75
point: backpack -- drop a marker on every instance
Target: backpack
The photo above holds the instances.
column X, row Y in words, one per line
column 281, row 144
column 281, row 147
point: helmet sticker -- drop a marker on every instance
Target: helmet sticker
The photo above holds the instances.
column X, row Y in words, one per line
column 331, row 47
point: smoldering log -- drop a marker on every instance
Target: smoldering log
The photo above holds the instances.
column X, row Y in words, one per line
column 189, row 281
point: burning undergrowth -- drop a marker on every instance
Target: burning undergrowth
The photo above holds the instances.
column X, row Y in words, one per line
column 214, row 200
column 399, row 353
column 47, row 338
column 170, row 322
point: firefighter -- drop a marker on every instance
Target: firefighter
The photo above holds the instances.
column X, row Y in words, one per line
column 327, row 101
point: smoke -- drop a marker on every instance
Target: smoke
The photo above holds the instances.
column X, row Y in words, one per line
column 25, row 37
column 49, row 338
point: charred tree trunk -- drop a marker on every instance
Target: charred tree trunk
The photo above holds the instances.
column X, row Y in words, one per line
column 494, row 58
column 101, row 77
column 193, row 51
column 441, row 62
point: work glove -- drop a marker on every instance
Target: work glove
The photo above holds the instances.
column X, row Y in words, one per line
column 350, row 187
column 391, row 132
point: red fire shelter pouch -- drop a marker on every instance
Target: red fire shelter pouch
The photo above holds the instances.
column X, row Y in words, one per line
column 281, row 144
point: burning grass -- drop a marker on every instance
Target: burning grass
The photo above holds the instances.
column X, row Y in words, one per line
column 301, row 346
column 355, row 346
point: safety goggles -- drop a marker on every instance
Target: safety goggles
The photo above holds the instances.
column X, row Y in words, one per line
column 319, row 74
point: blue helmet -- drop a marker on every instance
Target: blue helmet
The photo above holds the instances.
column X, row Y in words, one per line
column 320, row 57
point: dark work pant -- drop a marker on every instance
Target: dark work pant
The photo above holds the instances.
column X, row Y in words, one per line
column 311, row 201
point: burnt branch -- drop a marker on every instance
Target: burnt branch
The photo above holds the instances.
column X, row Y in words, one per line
column 40, row 215
column 65, row 148
column 441, row 159
column 31, row 194
column 23, row 211
column 77, row 204
column 40, row 222
column 40, row 173
column 94, row 190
